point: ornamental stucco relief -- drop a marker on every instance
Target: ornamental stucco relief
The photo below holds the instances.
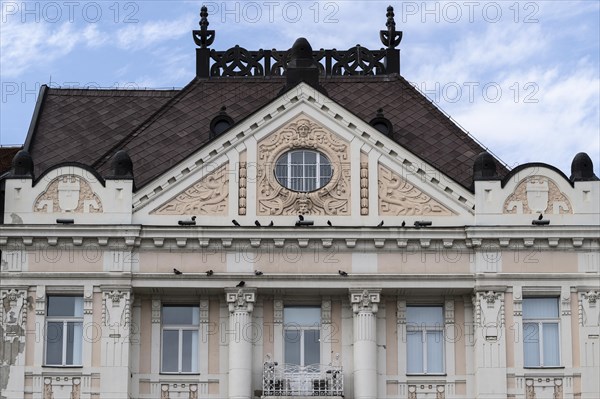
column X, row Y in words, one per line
column 397, row 197
column 274, row 199
column 536, row 194
column 207, row 196
column 68, row 193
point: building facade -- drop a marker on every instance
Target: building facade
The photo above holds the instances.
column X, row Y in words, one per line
column 290, row 224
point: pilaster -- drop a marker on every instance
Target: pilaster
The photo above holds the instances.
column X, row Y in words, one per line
column 241, row 304
column 365, row 305
column 490, row 347
column 116, row 323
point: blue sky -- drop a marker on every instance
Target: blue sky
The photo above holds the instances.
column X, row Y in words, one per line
column 522, row 77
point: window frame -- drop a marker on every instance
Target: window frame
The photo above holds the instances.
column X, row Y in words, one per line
column 540, row 322
column 286, row 180
column 65, row 320
column 180, row 328
column 424, row 329
column 294, row 326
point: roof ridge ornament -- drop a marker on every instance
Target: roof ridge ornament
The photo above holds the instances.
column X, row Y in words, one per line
column 237, row 61
column 390, row 37
column 301, row 66
column 204, row 37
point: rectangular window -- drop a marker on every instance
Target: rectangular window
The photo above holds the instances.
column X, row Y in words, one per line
column 541, row 332
column 64, row 330
column 302, row 335
column 180, row 339
column 424, row 340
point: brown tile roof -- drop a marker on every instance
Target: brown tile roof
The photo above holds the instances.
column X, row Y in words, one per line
column 161, row 128
column 6, row 156
column 79, row 125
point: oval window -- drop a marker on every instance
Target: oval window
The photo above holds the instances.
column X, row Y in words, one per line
column 303, row 170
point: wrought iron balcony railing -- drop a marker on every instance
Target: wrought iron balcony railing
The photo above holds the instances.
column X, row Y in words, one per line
column 294, row 380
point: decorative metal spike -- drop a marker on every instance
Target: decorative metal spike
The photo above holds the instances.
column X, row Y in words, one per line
column 390, row 37
column 204, row 18
column 204, row 37
column 390, row 17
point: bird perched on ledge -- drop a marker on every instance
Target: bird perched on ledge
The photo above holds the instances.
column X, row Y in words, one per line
column 177, row 272
column 343, row 273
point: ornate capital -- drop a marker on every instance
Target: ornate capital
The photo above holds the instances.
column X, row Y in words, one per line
column 592, row 297
column 116, row 309
column 241, row 299
column 13, row 310
column 365, row 300
column 490, row 297
column 489, row 309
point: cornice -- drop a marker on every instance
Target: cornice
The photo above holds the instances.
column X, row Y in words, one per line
column 470, row 237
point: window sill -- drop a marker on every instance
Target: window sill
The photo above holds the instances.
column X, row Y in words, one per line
column 427, row 375
column 58, row 366
column 543, row 368
column 179, row 374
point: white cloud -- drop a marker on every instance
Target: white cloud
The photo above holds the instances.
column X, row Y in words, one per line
column 144, row 35
column 25, row 45
column 565, row 119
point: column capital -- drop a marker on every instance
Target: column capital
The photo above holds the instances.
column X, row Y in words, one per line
column 365, row 300
column 240, row 299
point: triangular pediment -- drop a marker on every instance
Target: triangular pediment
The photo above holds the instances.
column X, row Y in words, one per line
column 233, row 176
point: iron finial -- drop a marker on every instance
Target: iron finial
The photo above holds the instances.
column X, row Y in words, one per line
column 390, row 37
column 203, row 18
column 204, row 37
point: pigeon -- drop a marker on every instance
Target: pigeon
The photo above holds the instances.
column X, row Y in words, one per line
column 257, row 223
column 301, row 218
column 209, row 272
column 241, row 284
column 271, row 224
column 403, row 223
column 177, row 272
column 258, row 273
column 235, row 223
column 380, row 224
column 343, row 273
column 329, row 223
column 541, row 216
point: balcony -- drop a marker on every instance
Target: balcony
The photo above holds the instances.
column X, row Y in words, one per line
column 298, row 381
